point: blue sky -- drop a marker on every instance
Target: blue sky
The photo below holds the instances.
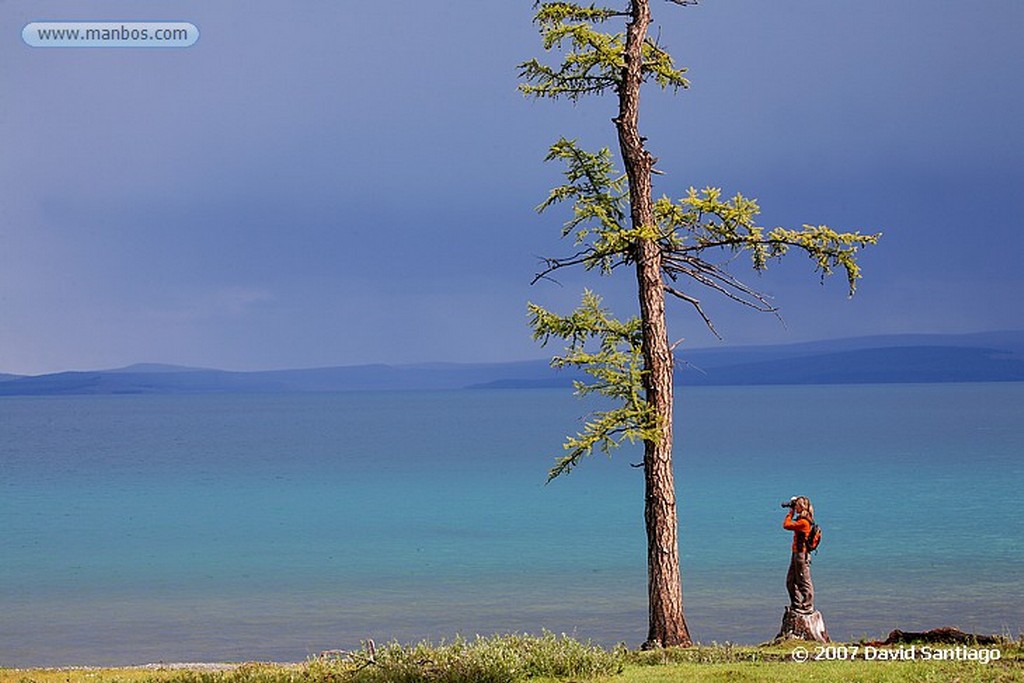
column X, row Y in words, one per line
column 318, row 183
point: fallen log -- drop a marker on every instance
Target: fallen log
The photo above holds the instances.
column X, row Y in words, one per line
column 946, row 634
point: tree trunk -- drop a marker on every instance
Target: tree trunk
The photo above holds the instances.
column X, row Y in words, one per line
column 667, row 623
column 803, row 626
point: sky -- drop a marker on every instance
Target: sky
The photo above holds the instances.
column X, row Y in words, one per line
column 320, row 183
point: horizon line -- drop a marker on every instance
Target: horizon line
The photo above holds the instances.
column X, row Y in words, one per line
column 163, row 367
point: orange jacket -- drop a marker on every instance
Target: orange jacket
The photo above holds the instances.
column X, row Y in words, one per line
column 800, row 529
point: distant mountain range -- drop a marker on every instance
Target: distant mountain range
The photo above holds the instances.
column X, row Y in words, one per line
column 986, row 357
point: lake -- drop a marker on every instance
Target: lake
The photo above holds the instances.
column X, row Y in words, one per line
column 274, row 526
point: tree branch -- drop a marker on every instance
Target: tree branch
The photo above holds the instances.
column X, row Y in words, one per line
column 587, row 258
column 719, row 280
column 696, row 305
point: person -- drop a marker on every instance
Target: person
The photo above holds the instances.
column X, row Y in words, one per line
column 798, row 579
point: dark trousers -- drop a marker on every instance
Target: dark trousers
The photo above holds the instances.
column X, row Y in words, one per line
column 798, row 583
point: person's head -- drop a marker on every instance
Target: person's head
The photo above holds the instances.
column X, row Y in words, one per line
column 802, row 506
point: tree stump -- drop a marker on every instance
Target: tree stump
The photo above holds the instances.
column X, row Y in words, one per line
column 803, row 626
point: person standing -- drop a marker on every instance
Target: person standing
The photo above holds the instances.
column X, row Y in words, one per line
column 798, row 580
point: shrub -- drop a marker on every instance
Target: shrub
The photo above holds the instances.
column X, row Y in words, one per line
column 499, row 659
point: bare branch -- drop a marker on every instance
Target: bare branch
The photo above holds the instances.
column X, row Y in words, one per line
column 718, row 279
column 702, row 245
column 696, row 304
column 695, row 367
column 541, row 276
column 587, row 256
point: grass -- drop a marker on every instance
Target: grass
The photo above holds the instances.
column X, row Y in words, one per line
column 550, row 658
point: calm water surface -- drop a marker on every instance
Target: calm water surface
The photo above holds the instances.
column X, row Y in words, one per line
column 159, row 528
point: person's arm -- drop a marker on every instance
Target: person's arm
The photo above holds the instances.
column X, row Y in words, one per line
column 802, row 525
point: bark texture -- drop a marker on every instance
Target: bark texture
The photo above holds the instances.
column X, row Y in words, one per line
column 667, row 623
column 803, row 626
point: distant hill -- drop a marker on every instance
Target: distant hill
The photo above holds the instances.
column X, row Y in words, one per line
column 986, row 357
column 989, row 357
column 164, row 379
column 905, row 364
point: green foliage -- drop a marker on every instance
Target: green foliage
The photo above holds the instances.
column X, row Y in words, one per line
column 515, row 659
column 684, row 230
column 701, row 221
column 500, row 659
column 497, row 659
column 599, row 205
column 555, row 13
column 709, row 223
column 594, row 60
column 616, row 366
column 690, row 233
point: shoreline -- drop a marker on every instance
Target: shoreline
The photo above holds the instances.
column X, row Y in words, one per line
column 556, row 659
column 898, row 643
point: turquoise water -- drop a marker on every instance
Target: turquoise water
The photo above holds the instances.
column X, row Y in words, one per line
column 166, row 528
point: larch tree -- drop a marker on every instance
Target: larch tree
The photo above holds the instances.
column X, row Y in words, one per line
column 670, row 245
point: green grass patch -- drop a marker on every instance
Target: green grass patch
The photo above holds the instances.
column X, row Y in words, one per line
column 550, row 658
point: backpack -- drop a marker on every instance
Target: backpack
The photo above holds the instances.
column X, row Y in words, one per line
column 813, row 538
